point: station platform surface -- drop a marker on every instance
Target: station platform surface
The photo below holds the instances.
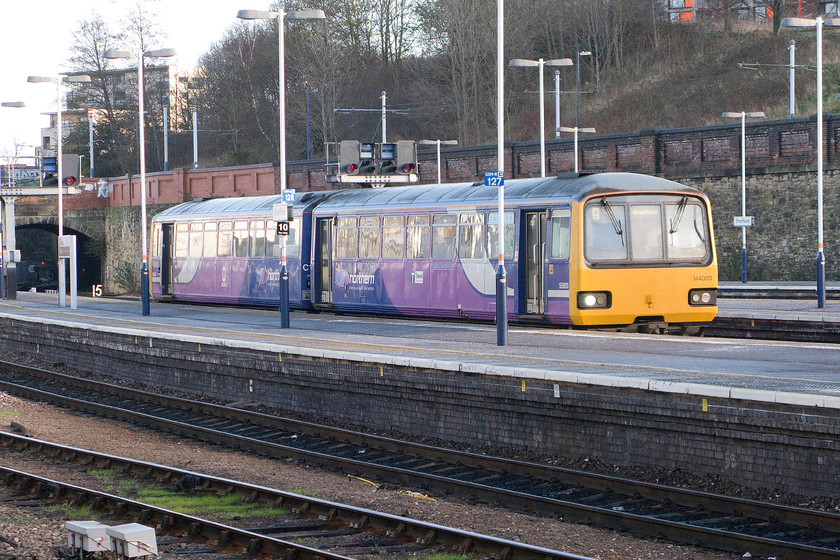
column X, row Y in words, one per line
column 787, row 372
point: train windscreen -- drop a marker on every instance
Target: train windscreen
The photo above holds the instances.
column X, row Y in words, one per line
column 646, row 230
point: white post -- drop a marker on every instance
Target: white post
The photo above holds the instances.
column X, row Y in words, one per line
column 90, row 140
column 62, row 281
column 384, row 119
column 792, row 78
column 556, row 103
column 542, row 119
column 195, row 137
column 284, row 278
column 820, row 138
column 744, row 194
column 501, row 282
column 576, row 149
column 438, row 160
column 144, row 263
column 166, row 137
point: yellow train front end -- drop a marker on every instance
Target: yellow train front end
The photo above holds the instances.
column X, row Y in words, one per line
column 643, row 258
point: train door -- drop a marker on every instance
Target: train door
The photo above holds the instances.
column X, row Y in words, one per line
column 166, row 255
column 534, row 254
column 323, row 261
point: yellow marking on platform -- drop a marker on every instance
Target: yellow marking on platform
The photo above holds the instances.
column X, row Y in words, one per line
column 381, row 371
column 523, row 385
column 705, row 405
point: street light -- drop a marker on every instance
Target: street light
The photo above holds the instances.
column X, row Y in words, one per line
column 58, row 80
column 3, row 221
column 541, row 63
column 818, row 24
column 141, row 133
column 577, row 84
column 281, row 16
column 743, row 116
column 575, row 129
column 438, row 143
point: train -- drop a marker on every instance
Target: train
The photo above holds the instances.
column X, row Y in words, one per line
column 597, row 250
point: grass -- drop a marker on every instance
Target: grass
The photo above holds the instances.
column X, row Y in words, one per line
column 226, row 507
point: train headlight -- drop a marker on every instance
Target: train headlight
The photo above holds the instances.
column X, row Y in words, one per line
column 594, row 300
column 702, row 297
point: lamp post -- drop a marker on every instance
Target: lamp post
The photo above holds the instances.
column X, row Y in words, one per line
column 556, row 103
column 3, row 221
column 438, row 143
column 58, row 80
column 818, row 24
column 576, row 130
column 281, row 16
column 501, row 276
column 141, row 55
column 743, row 116
column 577, row 84
column 541, row 63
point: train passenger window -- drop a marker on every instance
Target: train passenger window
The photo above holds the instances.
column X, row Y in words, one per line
column 156, row 241
column 257, row 237
column 646, row 232
column 686, row 227
column 561, row 234
column 182, row 240
column 240, row 239
column 417, row 238
column 210, row 241
column 471, row 236
column 369, row 237
column 225, row 239
column 345, row 238
column 603, row 231
column 493, row 235
column 393, row 237
column 443, row 234
column 272, row 240
column 196, row 236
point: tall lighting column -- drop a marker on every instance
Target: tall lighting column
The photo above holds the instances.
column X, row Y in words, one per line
column 541, row 63
column 501, row 280
column 576, row 130
column 818, row 25
column 743, row 116
column 58, row 80
column 577, row 84
column 144, row 264
column 281, row 16
column 438, row 143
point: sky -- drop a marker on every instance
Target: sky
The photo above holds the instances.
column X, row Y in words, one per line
column 35, row 37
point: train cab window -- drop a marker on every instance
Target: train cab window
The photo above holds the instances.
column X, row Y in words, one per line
column 604, row 235
column 210, row 241
column 471, row 236
column 256, row 233
column 240, row 239
column 417, row 237
column 393, row 237
column 196, row 237
column 561, row 234
column 345, row 238
column 686, row 230
column 493, row 235
column 225, row 239
column 369, row 237
column 443, row 235
column 646, row 232
column 182, row 240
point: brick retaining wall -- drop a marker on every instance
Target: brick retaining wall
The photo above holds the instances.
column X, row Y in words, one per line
column 784, row 447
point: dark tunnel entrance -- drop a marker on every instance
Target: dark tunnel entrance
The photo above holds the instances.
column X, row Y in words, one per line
column 38, row 269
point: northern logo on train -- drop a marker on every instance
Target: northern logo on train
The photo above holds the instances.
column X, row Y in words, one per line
column 261, row 275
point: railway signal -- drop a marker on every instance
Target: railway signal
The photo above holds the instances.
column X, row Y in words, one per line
column 376, row 164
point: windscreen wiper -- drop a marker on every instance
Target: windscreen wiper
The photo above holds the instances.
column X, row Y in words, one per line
column 615, row 222
column 675, row 223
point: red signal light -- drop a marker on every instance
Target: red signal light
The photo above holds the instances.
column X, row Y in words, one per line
column 407, row 168
column 350, row 167
column 70, row 181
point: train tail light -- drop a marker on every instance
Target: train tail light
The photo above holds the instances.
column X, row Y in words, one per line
column 702, row 297
column 594, row 300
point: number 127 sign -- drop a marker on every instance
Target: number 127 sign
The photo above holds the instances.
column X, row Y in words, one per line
column 494, row 178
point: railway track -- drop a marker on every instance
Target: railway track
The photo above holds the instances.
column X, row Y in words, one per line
column 329, row 531
column 693, row 517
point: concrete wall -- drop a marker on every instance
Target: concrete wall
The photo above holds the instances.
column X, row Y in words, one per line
column 790, row 448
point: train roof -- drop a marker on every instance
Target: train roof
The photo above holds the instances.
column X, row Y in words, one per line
column 543, row 189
